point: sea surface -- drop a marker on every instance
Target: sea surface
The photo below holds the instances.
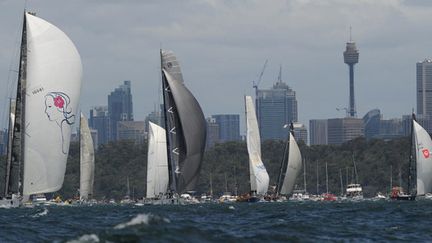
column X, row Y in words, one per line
column 236, row 222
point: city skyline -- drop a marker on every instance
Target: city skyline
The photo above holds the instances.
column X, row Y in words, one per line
column 221, row 47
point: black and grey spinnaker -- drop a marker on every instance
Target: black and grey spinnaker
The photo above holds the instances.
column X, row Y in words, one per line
column 185, row 126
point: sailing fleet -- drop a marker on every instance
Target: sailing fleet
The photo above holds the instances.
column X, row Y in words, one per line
column 45, row 109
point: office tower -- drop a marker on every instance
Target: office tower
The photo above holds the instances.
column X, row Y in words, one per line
column 99, row 121
column 119, row 107
column 318, row 132
column 156, row 117
column 371, row 123
column 341, row 130
column 300, row 132
column 276, row 107
column 229, row 127
column 424, row 88
column 351, row 56
column 212, row 132
column 131, row 130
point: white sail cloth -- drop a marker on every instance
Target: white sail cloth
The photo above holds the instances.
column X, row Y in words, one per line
column 87, row 163
column 53, row 86
column 423, row 146
column 293, row 167
column 259, row 177
column 157, row 162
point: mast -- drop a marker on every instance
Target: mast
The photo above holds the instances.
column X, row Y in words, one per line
column 171, row 177
column 304, row 175
column 226, row 182
column 327, row 179
column 341, row 182
column 317, row 179
column 411, row 155
column 355, row 170
column 16, row 139
column 211, row 185
column 284, row 161
column 391, row 177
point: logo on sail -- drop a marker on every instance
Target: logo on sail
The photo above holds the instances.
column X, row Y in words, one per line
column 426, row 153
column 58, row 110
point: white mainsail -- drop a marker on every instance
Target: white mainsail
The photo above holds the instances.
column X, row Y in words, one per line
column 423, row 146
column 258, row 174
column 87, row 163
column 52, row 93
column 293, row 167
column 157, row 162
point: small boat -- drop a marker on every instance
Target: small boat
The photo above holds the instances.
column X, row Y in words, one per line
column 328, row 197
column 379, row 196
column 354, row 192
column 227, row 198
column 290, row 167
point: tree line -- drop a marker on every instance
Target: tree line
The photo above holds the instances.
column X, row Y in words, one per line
column 225, row 167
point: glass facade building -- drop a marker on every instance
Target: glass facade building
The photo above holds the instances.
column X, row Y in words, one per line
column 275, row 107
column 229, row 127
column 119, row 107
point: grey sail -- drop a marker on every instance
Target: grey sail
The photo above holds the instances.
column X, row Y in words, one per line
column 10, row 178
column 185, row 127
column 87, row 163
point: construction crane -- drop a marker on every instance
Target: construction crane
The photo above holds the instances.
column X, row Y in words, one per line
column 256, row 83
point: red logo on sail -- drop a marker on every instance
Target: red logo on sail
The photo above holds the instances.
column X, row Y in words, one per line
column 426, row 153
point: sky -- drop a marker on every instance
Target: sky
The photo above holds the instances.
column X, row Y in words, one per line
column 222, row 45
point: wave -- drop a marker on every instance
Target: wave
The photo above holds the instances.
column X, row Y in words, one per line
column 144, row 219
column 92, row 238
column 43, row 213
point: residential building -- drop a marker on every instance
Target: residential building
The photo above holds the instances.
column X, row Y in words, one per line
column 212, row 132
column 341, row 130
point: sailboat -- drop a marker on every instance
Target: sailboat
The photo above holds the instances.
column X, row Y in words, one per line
column 259, row 178
column 48, row 90
column 87, row 162
column 185, row 127
column 290, row 166
column 354, row 191
column 157, row 163
column 421, row 145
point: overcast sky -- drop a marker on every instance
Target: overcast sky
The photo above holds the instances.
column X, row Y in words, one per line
column 222, row 46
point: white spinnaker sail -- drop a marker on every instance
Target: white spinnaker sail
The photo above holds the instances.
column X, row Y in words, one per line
column 87, row 162
column 293, row 167
column 53, row 86
column 157, row 162
column 423, row 146
column 258, row 173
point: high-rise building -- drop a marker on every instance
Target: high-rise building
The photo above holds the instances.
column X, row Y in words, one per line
column 300, row 132
column 351, row 57
column 99, row 121
column 341, row 130
column 212, row 132
column 424, row 88
column 229, row 127
column 276, row 107
column 372, row 121
column 120, row 107
column 131, row 130
column 318, row 132
column 156, row 117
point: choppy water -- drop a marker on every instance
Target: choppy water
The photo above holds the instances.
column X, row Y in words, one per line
column 290, row 221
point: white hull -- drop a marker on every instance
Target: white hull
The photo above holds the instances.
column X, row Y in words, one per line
column 9, row 203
